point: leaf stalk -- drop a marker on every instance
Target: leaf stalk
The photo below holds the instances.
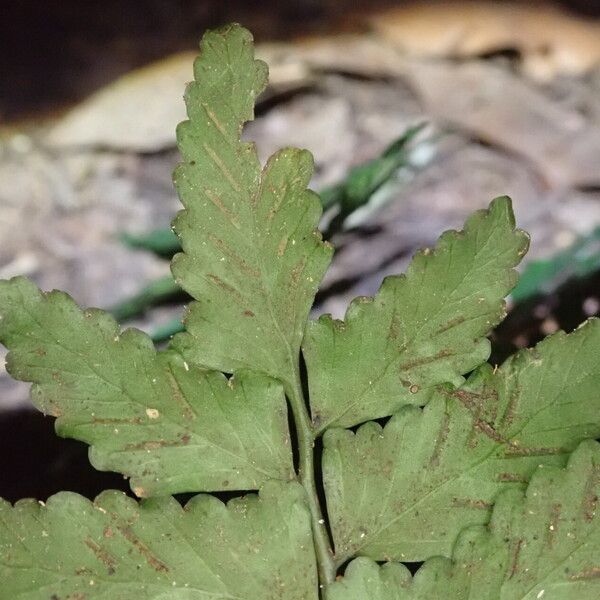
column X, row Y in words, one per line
column 306, row 475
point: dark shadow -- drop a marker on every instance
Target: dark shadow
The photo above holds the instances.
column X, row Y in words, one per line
column 531, row 321
column 36, row 463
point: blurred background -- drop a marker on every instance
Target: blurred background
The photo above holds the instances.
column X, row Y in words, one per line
column 417, row 113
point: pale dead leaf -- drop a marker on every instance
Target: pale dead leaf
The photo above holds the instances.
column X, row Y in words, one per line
column 550, row 40
column 505, row 110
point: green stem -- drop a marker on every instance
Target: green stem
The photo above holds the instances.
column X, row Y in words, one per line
column 306, row 443
column 156, row 291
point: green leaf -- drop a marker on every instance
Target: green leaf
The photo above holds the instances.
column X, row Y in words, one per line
column 543, row 544
column 422, row 329
column 252, row 257
column 173, row 422
column 364, row 579
column 166, row 423
column 114, row 549
column 405, row 491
